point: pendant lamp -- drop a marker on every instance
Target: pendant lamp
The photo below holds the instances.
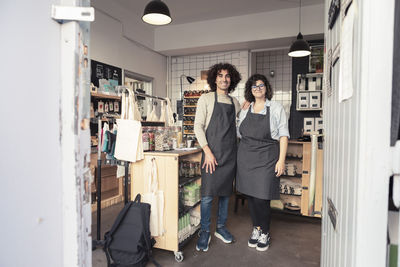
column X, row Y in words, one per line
column 156, row 13
column 300, row 47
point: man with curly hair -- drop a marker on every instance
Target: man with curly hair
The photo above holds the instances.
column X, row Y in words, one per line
column 215, row 129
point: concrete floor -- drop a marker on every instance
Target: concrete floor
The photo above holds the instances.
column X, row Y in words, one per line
column 295, row 241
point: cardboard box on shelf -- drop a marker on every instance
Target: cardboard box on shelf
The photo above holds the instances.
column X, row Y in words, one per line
column 315, row 100
column 308, row 125
column 303, row 99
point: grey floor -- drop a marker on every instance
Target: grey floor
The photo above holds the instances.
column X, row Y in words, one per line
column 295, row 241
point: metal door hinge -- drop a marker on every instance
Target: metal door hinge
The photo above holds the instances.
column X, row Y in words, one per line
column 63, row 14
column 396, row 174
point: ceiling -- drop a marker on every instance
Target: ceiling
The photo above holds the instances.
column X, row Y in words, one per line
column 186, row 11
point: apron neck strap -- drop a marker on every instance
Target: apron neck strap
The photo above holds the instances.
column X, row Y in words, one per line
column 216, row 97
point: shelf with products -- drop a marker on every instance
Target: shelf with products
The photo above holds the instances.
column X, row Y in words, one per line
column 190, row 99
column 105, row 96
column 296, row 182
column 309, row 92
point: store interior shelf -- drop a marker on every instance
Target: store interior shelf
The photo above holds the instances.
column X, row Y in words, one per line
column 189, row 106
column 187, row 180
column 153, row 123
column 191, row 96
column 293, row 157
column 308, row 91
column 100, row 95
column 287, row 211
column 290, row 195
column 189, row 133
column 292, row 176
column 309, row 109
column 189, row 124
column 186, row 209
column 189, row 115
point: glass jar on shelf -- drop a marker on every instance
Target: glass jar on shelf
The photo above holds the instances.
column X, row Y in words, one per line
column 167, row 140
column 197, row 169
column 191, row 172
column 146, row 139
column 159, row 139
column 151, row 138
column 173, row 137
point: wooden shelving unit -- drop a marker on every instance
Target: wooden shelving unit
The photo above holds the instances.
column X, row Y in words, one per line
column 303, row 164
column 105, row 96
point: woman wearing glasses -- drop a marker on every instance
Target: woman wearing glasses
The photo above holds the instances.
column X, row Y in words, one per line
column 264, row 133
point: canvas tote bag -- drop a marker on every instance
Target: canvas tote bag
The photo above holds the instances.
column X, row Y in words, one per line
column 155, row 198
column 128, row 146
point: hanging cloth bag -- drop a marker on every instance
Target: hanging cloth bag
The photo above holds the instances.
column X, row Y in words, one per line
column 169, row 120
column 128, row 146
column 155, row 198
column 162, row 116
column 149, row 109
column 153, row 115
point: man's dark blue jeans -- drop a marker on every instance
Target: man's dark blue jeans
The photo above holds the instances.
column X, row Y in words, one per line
column 205, row 206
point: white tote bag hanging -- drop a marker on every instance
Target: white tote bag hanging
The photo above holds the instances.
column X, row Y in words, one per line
column 155, row 198
column 128, row 146
column 169, row 121
column 153, row 115
column 149, row 109
column 162, row 116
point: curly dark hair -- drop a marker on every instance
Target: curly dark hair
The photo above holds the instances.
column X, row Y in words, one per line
column 248, row 94
column 215, row 69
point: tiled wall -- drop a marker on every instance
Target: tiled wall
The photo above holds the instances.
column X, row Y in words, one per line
column 194, row 64
column 280, row 63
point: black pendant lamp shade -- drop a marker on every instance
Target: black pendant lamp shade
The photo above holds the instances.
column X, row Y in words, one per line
column 156, row 13
column 300, row 47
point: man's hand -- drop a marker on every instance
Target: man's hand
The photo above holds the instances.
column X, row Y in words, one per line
column 209, row 160
column 279, row 168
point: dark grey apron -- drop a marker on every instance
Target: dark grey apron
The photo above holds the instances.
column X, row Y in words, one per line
column 221, row 138
column 256, row 158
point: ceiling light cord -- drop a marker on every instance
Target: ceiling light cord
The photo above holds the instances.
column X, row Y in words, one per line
column 300, row 16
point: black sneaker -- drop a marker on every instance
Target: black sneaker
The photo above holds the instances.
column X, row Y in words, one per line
column 263, row 242
column 254, row 237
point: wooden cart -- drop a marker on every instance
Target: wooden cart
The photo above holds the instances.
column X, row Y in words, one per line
column 169, row 182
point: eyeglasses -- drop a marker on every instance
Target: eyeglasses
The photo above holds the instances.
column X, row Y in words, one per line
column 259, row 87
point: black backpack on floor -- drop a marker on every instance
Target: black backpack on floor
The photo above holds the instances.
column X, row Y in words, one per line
column 129, row 243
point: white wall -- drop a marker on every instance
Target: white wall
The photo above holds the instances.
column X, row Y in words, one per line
column 240, row 29
column 356, row 150
column 120, row 40
column 30, row 164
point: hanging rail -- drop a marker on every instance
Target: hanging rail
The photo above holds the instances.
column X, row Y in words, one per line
column 123, row 88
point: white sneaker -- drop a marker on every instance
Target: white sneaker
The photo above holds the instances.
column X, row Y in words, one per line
column 263, row 242
column 254, row 238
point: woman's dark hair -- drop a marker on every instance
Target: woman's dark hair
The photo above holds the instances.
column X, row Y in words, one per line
column 215, row 70
column 248, row 94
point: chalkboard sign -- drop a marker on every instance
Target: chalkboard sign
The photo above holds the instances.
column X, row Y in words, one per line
column 101, row 70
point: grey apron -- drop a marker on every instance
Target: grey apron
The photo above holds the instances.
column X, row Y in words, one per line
column 221, row 138
column 256, row 158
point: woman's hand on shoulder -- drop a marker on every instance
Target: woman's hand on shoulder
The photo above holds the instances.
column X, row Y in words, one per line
column 245, row 105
